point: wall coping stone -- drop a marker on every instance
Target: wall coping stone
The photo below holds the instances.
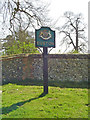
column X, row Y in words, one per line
column 60, row 56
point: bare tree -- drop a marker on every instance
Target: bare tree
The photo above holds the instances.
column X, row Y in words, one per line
column 23, row 13
column 74, row 32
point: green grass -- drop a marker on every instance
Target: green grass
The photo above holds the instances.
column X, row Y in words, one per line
column 20, row 101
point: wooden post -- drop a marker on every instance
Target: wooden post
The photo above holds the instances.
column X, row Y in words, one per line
column 45, row 69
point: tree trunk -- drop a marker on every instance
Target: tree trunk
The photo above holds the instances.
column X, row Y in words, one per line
column 76, row 40
column 76, row 35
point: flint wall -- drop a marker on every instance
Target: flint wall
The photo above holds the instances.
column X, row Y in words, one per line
column 61, row 67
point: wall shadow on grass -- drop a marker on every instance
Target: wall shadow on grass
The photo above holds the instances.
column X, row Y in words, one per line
column 7, row 110
column 55, row 83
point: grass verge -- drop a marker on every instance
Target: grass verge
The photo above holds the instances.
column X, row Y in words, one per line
column 28, row 102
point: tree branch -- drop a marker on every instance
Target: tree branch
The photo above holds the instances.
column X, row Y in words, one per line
column 68, row 35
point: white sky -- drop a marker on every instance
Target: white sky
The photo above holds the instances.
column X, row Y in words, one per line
column 58, row 7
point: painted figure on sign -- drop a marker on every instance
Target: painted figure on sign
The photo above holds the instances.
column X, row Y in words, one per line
column 45, row 34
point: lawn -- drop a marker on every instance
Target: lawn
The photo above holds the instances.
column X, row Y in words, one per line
column 23, row 101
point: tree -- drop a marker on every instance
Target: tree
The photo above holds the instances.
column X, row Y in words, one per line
column 22, row 42
column 21, row 16
column 23, row 13
column 74, row 32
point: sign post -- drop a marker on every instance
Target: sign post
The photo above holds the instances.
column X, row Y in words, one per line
column 45, row 37
column 45, row 69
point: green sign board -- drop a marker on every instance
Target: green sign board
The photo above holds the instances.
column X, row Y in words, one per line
column 45, row 37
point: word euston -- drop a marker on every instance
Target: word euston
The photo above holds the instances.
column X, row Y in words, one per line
column 45, row 37
column 45, row 43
